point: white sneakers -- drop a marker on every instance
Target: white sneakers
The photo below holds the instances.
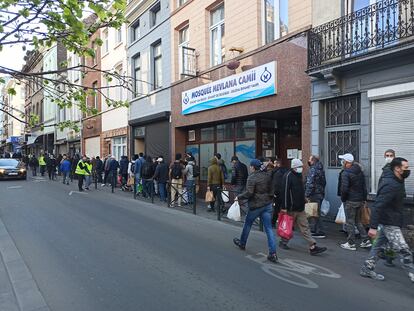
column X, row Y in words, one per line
column 366, row 244
column 350, row 247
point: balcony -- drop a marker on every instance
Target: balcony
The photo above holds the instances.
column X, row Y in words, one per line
column 383, row 26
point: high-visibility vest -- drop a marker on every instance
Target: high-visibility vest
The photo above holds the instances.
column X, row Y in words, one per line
column 42, row 161
column 78, row 170
column 89, row 166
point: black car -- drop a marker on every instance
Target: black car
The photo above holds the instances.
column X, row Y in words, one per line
column 12, row 169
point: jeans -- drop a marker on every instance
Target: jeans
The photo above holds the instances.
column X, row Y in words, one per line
column 265, row 213
column 34, row 171
column 147, row 187
column 42, row 170
column 189, row 184
column 393, row 236
column 353, row 218
column 88, row 181
column 316, row 223
column 65, row 177
column 163, row 191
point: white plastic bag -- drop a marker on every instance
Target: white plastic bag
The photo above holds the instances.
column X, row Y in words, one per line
column 325, row 207
column 340, row 217
column 234, row 212
column 225, row 196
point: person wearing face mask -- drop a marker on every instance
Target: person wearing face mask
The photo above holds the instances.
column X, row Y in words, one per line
column 353, row 192
column 389, row 155
column 293, row 202
column 387, row 212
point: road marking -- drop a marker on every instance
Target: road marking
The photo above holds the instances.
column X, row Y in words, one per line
column 39, row 180
column 70, row 193
column 292, row 270
column 14, row 187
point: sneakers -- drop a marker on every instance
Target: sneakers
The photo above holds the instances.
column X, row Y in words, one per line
column 273, row 258
column 283, row 245
column 366, row 244
column 237, row 242
column 367, row 273
column 317, row 250
column 350, row 247
column 319, row 235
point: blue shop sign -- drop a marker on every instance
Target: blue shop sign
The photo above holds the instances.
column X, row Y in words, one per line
column 251, row 84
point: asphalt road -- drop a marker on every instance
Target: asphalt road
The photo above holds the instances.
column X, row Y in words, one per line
column 102, row 251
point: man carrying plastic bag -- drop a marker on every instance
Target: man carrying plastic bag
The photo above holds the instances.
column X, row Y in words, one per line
column 259, row 197
column 234, row 212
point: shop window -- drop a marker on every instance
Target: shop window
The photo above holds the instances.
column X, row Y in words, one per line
column 246, row 151
column 207, row 134
column 342, row 119
column 227, row 151
column 225, row 131
column 206, row 153
column 195, row 151
column 246, row 130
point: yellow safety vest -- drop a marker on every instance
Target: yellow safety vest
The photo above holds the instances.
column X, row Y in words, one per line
column 42, row 161
column 78, row 170
column 89, row 166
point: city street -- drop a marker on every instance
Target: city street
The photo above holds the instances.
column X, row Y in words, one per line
column 102, row 251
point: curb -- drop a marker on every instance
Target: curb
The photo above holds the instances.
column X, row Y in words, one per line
column 26, row 291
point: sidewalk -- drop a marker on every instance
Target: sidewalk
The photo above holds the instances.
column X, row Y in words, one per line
column 18, row 290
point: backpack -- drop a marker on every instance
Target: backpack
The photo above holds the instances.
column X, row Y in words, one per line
column 146, row 170
column 196, row 171
column 176, row 171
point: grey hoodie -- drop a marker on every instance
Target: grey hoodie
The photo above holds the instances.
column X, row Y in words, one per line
column 189, row 169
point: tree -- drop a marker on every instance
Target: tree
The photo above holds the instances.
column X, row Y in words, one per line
column 39, row 24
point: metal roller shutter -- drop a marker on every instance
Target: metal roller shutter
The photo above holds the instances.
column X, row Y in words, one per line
column 393, row 127
column 157, row 138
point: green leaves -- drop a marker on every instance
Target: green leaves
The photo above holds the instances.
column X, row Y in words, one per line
column 11, row 91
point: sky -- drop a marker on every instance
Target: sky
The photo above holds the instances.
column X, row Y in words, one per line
column 12, row 57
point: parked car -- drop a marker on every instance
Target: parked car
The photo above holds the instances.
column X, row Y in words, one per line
column 12, row 169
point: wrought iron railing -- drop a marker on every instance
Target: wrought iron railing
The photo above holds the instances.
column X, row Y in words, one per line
column 378, row 26
column 188, row 61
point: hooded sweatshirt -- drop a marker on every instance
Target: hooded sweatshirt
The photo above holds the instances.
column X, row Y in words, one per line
column 189, row 170
column 215, row 174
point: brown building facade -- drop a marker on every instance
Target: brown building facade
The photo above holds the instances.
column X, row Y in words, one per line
column 233, row 115
column 92, row 126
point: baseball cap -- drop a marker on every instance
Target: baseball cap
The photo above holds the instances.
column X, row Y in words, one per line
column 296, row 163
column 347, row 157
column 256, row 163
column 159, row 159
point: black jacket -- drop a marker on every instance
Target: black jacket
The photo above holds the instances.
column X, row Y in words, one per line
column 277, row 183
column 293, row 196
column 147, row 170
column 258, row 192
column 352, row 185
column 239, row 174
column 161, row 173
column 99, row 166
column 388, row 205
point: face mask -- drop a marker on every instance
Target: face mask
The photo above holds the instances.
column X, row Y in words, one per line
column 343, row 162
column 299, row 170
column 405, row 174
column 388, row 160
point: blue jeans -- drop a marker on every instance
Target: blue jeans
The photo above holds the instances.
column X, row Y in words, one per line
column 65, row 177
column 189, row 184
column 316, row 223
column 147, row 187
column 163, row 191
column 265, row 213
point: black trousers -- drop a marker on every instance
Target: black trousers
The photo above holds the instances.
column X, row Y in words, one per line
column 80, row 182
column 217, row 195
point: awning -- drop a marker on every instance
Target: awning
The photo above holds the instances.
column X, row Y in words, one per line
column 31, row 140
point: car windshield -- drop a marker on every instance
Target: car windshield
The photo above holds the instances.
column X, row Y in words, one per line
column 8, row 162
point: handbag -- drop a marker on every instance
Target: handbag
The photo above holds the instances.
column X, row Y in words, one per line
column 234, row 212
column 285, row 226
column 225, row 195
column 311, row 209
column 131, row 181
column 365, row 215
column 340, row 217
column 209, row 196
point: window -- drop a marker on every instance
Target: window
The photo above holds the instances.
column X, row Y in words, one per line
column 95, row 96
column 157, row 65
column 246, row 130
column 118, row 35
column 94, row 57
column 342, row 120
column 275, row 19
column 218, row 51
column 155, row 14
column 183, row 41
column 136, row 69
column 105, row 44
column 135, row 31
column 225, row 131
column 119, row 147
column 118, row 88
column 207, row 134
column 181, row 2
